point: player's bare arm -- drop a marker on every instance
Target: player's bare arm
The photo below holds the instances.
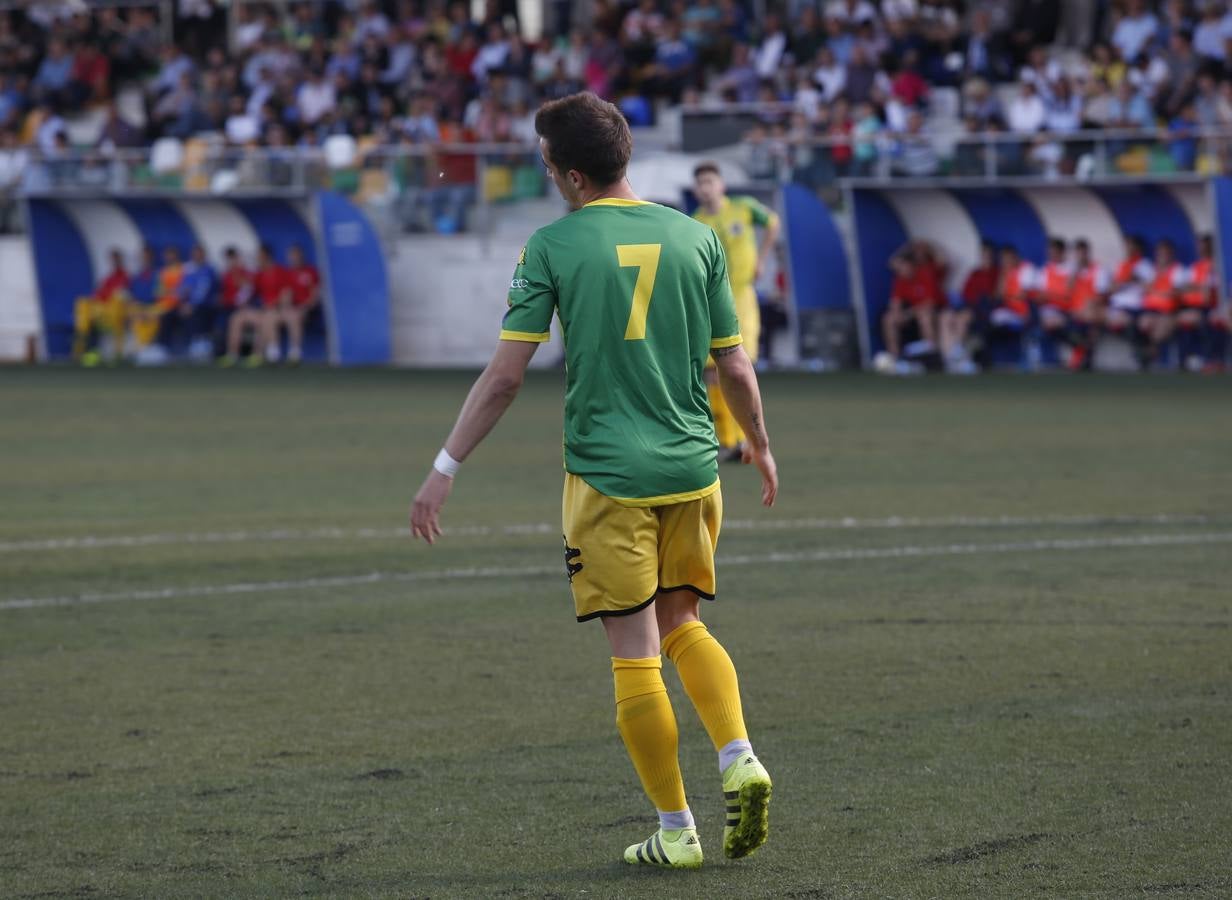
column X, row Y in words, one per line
column 490, row 396
column 738, row 381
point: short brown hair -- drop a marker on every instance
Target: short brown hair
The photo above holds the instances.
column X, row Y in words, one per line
column 706, row 168
column 586, row 134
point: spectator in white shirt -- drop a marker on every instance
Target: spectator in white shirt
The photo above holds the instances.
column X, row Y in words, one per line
column 13, row 159
column 851, row 12
column 808, row 99
column 1210, row 36
column 1064, row 114
column 770, row 52
column 492, row 54
column 1041, row 70
column 643, row 24
column 899, row 10
column 1026, row 113
column 49, row 132
column 830, row 75
column 315, row 98
column 241, row 127
column 1135, row 29
column 251, row 27
column 371, row 22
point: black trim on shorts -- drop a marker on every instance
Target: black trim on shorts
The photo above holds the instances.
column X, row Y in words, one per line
column 604, row 613
column 687, row 587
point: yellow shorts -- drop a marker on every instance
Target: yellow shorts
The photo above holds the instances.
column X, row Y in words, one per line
column 618, row 558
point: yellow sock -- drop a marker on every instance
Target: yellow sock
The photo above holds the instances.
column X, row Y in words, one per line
column 709, row 678
column 725, row 427
column 648, row 726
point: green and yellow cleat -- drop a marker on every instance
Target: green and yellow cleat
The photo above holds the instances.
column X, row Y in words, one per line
column 746, row 788
column 678, row 848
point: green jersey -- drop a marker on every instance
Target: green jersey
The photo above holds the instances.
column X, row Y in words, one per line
column 643, row 297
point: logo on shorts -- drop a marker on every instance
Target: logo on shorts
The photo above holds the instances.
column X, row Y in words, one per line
column 571, row 553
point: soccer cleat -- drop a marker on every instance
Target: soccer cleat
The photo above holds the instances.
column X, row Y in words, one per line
column 746, row 789
column 678, row 848
column 733, row 454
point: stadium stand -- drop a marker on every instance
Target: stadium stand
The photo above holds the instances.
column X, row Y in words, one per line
column 425, row 111
column 291, row 75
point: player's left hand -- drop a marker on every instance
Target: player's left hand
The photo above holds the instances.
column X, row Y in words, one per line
column 426, row 507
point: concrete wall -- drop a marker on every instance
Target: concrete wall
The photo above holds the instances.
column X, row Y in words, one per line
column 448, row 296
column 19, row 315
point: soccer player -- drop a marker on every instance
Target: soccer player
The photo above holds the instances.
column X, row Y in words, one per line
column 305, row 294
column 1060, row 300
column 1088, row 293
column 643, row 298
column 1128, row 284
column 1015, row 289
column 167, row 299
column 269, row 292
column 198, row 300
column 104, row 310
column 143, row 313
column 236, row 289
column 1159, row 302
column 1198, row 300
column 734, row 220
column 915, row 296
column 970, row 307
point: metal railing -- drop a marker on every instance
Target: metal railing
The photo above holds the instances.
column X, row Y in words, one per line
column 439, row 187
column 455, row 187
column 997, row 156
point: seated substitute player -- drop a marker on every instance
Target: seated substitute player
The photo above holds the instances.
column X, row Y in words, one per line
column 143, row 312
column 734, row 220
column 103, row 311
column 269, row 292
column 915, row 297
column 1128, row 283
column 1015, row 288
column 1159, row 302
column 304, row 296
column 971, row 307
column 236, row 291
column 1198, row 299
column 1087, row 295
column 643, row 298
column 192, row 322
column 167, row 300
column 1059, row 318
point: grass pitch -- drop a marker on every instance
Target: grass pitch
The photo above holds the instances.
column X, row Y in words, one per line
column 985, row 643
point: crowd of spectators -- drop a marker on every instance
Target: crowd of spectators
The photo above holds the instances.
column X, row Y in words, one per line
column 860, row 74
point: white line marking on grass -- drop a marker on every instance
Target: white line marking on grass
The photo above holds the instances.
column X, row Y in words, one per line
column 837, row 554
column 90, row 542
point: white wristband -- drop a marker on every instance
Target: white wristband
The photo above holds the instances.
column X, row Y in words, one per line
column 446, row 464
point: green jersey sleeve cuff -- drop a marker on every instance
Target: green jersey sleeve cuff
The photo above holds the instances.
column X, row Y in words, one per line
column 529, row 337
column 720, row 343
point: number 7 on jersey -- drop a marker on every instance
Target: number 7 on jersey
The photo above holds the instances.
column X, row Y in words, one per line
column 644, row 258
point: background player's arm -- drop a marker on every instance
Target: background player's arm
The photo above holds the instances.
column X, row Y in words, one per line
column 490, row 396
column 770, row 237
column 769, row 222
column 739, row 384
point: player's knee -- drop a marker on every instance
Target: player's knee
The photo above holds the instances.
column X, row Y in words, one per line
column 675, row 609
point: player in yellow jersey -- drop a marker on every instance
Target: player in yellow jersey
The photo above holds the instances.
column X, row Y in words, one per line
column 643, row 300
column 735, row 220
